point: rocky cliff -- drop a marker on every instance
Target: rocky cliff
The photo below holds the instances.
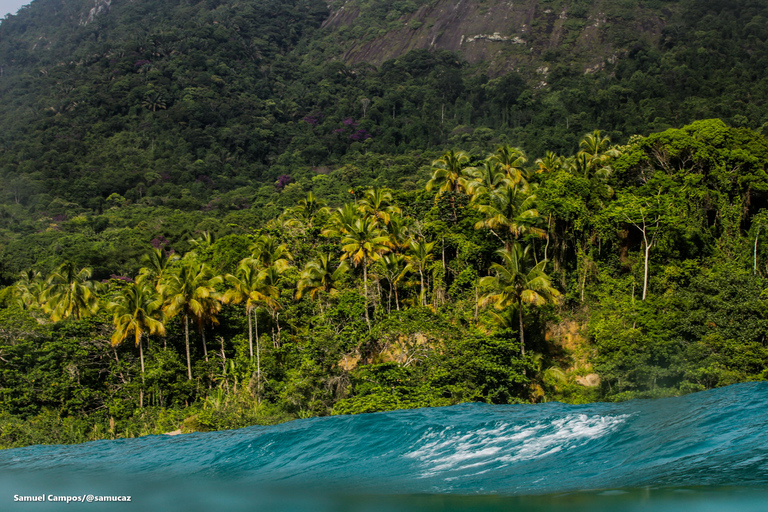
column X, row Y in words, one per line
column 504, row 34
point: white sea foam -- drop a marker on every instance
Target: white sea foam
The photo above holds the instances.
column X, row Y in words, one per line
column 448, row 451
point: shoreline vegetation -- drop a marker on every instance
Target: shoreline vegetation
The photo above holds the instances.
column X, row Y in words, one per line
column 616, row 272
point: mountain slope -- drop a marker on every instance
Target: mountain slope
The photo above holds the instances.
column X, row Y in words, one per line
column 500, row 34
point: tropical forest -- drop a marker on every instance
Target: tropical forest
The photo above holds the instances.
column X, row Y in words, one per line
column 219, row 213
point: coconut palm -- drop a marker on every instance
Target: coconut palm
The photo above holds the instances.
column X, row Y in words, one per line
column 364, row 243
column 519, row 281
column 320, row 275
column 421, row 254
column 187, row 290
column 447, row 172
column 254, row 287
column 393, row 267
column 209, row 307
column 486, row 178
column 376, row 202
column 510, row 213
column 341, row 220
column 511, row 161
column 137, row 310
column 448, row 175
column 28, row 290
column 156, row 262
column 70, row 293
column 598, row 148
column 398, row 231
column 305, row 212
column 203, row 243
column 267, row 252
column 549, row 163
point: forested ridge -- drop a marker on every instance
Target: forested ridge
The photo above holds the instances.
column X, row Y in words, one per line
column 208, row 221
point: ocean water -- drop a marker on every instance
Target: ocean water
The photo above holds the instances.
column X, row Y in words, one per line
column 702, row 452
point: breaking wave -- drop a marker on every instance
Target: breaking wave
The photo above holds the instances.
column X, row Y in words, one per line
column 704, row 443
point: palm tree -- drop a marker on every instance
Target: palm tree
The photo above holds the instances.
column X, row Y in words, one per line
column 70, row 293
column 319, row 275
column 306, row 210
column 267, row 251
column 486, row 178
column 593, row 161
column 364, row 243
column 341, row 220
column 398, row 230
column 393, row 267
column 137, row 310
column 28, row 290
column 421, row 253
column 511, row 161
column 549, row 163
column 519, row 281
column 598, row 148
column 188, row 290
column 203, row 243
column 252, row 286
column 448, row 175
column 156, row 262
column 376, row 202
column 209, row 307
column 512, row 211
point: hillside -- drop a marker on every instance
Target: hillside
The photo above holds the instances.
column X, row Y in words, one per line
column 223, row 213
column 123, row 97
column 502, row 36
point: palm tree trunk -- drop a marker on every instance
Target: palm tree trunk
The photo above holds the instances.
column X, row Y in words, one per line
column 141, row 356
column 186, row 337
column 250, row 330
column 205, row 349
column 365, row 290
column 258, row 358
column 423, row 296
column 522, row 337
column 397, row 301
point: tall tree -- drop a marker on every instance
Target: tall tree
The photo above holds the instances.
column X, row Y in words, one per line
column 519, row 281
column 421, row 254
column 267, row 251
column 156, row 262
column 393, row 267
column 186, row 290
column 320, row 275
column 252, row 286
column 28, row 291
column 511, row 161
column 70, row 293
column 448, row 175
column 509, row 213
column 648, row 215
column 486, row 178
column 363, row 244
column 306, row 211
column 137, row 310
column 377, row 202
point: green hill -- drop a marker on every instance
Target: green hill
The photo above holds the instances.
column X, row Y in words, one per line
column 379, row 205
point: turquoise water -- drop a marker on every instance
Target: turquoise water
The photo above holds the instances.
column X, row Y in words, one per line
column 705, row 451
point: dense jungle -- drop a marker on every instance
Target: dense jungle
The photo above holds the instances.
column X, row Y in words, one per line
column 217, row 214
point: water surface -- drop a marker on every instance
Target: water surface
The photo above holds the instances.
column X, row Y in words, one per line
column 705, row 451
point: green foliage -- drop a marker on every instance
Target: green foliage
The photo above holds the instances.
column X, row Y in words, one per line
column 233, row 135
